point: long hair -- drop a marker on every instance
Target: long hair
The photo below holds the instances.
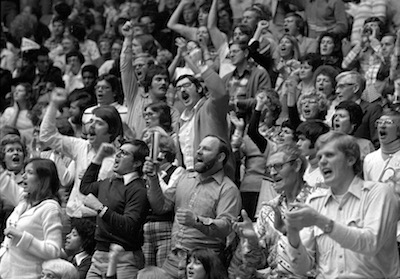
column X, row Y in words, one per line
column 211, row 262
column 110, row 115
column 165, row 114
column 295, row 45
column 30, row 96
column 49, row 182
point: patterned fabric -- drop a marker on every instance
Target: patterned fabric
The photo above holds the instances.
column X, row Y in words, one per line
column 157, row 242
column 271, row 251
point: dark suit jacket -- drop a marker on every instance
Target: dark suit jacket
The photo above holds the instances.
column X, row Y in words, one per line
column 83, row 268
column 367, row 130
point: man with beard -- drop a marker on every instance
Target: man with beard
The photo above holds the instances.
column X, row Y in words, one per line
column 12, row 156
column 105, row 125
column 205, row 202
column 142, row 82
column 122, row 206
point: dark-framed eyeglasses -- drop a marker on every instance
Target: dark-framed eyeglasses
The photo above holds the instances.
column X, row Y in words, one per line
column 279, row 166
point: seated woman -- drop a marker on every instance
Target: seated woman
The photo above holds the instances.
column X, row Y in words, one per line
column 264, row 245
column 80, row 244
column 347, row 118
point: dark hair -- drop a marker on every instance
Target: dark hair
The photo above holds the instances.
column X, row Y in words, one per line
column 193, row 80
column 115, row 84
column 77, row 30
column 337, row 42
column 118, row 22
column 63, row 10
column 314, row 60
column 152, row 71
column 42, row 51
column 110, row 115
column 165, row 114
column 344, row 143
column 355, row 113
column 47, row 174
column 59, row 18
column 300, row 23
column 211, row 262
column 10, row 139
column 64, row 127
column 381, row 24
column 205, row 7
column 91, row 69
column 312, row 129
column 83, row 99
column 168, row 146
column 140, row 153
column 86, row 230
column 148, row 44
column 245, row 29
column 75, row 53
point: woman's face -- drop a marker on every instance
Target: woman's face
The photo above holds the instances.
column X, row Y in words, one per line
column 195, row 269
column 136, row 47
column 202, row 18
column 309, row 108
column 73, row 242
column 151, row 118
column 326, row 46
column 286, row 135
column 238, row 35
column 104, row 47
column 285, row 48
column 306, row 72
column 104, row 93
column 202, row 34
column 31, row 181
column 19, row 93
column 341, row 121
column 324, row 85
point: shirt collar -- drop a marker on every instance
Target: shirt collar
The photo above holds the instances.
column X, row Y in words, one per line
column 129, row 177
column 355, row 189
column 80, row 257
column 218, row 176
column 246, row 71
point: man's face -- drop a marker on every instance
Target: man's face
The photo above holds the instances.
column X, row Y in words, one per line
column 125, row 159
column 290, row 27
column 207, row 154
column 324, row 84
column 58, row 29
column 326, row 46
column 98, row 131
column 73, row 242
column 304, row 145
column 238, row 35
column 187, row 93
column 346, row 89
column 250, row 18
column 387, row 43
column 75, row 64
column 341, row 121
column 388, row 128
column 14, row 157
column 115, row 50
column 189, row 15
column 88, row 79
column 140, row 67
column 135, row 10
column 282, row 171
column 159, row 86
column 104, row 93
column 334, row 165
column 43, row 63
column 237, row 55
column 146, row 20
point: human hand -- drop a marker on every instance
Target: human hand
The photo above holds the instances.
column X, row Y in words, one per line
column 114, row 251
column 262, row 24
column 127, row 30
column 300, row 216
column 245, row 228
column 106, row 149
column 237, row 122
column 185, row 217
column 92, row 202
column 150, row 167
column 58, row 96
column 181, row 44
column 261, row 99
column 13, row 233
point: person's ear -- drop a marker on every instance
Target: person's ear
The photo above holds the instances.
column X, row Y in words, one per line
column 221, row 157
column 298, row 163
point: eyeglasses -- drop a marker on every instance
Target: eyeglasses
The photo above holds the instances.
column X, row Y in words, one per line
column 103, row 87
column 279, row 166
column 148, row 114
column 343, row 85
column 123, row 153
column 381, row 122
column 185, row 85
column 308, row 101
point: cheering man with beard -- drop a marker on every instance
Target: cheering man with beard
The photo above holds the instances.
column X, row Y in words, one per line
column 205, row 202
column 105, row 125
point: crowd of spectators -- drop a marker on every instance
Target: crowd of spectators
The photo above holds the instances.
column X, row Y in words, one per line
column 200, row 139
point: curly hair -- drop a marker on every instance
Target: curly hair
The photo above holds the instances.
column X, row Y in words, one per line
column 321, row 100
column 86, row 230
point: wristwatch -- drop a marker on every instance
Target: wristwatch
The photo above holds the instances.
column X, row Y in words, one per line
column 328, row 227
column 100, row 209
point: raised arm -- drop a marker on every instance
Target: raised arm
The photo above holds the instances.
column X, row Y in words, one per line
column 217, row 37
column 253, row 132
column 186, row 31
column 130, row 84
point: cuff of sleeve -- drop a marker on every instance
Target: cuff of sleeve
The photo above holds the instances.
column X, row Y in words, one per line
column 25, row 241
column 103, row 211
